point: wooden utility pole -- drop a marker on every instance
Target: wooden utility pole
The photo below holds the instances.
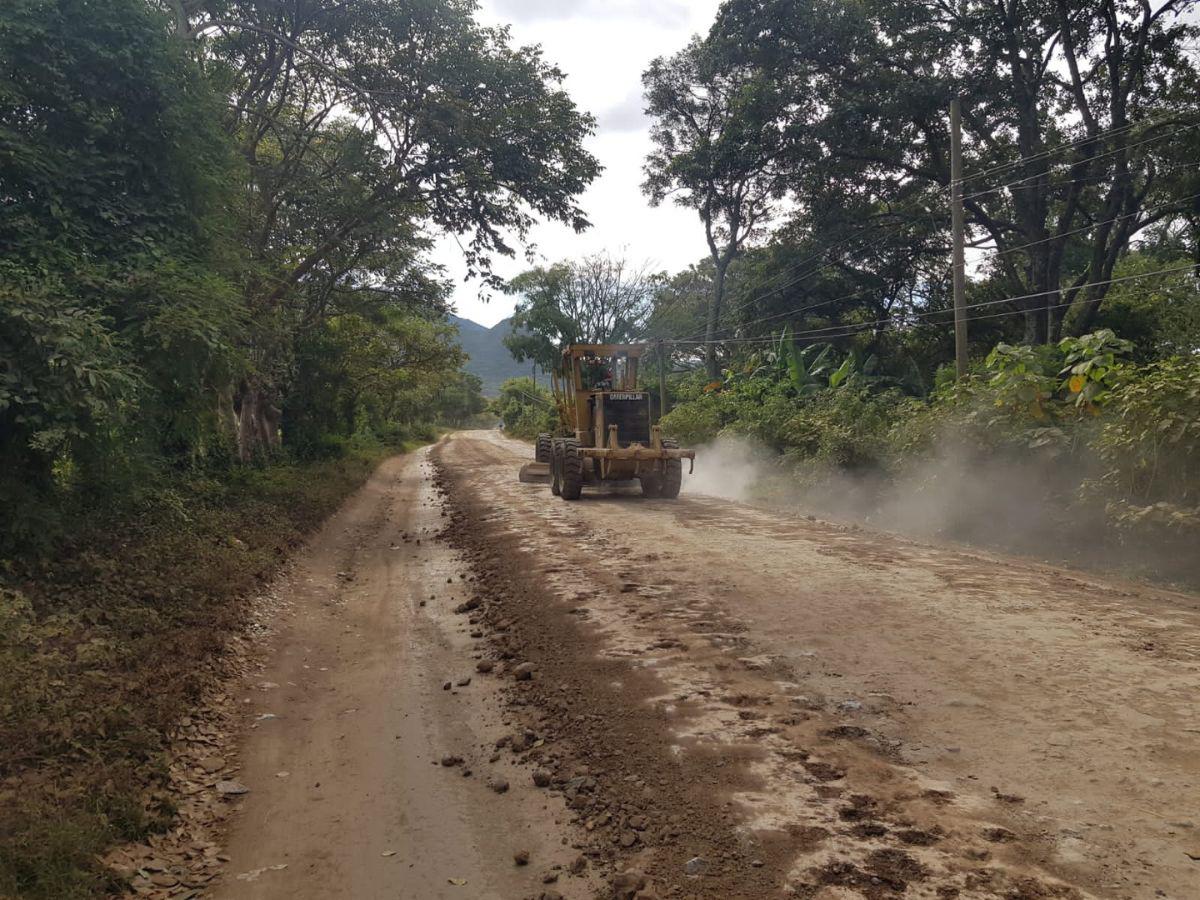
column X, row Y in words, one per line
column 534, row 376
column 662, row 379
column 959, row 239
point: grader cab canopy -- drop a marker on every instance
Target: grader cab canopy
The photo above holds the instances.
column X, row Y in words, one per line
column 605, row 434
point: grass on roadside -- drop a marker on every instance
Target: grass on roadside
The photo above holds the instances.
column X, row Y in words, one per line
column 104, row 644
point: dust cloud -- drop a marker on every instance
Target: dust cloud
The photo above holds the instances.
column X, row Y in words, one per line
column 731, row 468
column 1029, row 504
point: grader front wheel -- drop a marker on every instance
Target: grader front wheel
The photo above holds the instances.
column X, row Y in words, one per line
column 570, row 469
column 651, row 486
column 543, row 448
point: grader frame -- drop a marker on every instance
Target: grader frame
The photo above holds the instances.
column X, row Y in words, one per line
column 605, row 435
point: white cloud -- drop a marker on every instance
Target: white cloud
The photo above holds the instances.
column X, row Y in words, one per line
column 666, row 13
column 603, row 46
column 624, row 116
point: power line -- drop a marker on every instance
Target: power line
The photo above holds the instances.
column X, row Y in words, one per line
column 1025, row 160
column 809, row 274
column 998, row 252
column 782, row 273
column 1017, row 185
column 993, row 252
column 947, row 312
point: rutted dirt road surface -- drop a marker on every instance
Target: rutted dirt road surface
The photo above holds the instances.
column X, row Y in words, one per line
column 482, row 691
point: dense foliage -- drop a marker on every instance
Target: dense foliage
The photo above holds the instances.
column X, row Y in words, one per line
column 1106, row 446
column 215, row 216
column 831, row 118
column 812, row 139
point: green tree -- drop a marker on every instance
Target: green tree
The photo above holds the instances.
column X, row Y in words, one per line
column 599, row 299
column 362, row 124
column 719, row 138
column 1078, row 112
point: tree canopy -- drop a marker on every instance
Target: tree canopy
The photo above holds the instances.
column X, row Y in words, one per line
column 216, row 217
column 600, row 299
column 1081, row 124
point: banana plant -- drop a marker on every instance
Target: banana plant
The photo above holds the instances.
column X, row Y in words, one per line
column 806, row 367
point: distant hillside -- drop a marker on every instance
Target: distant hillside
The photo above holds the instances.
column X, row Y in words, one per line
column 490, row 359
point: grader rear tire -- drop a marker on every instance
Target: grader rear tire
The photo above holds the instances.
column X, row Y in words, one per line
column 543, row 448
column 672, row 478
column 570, row 469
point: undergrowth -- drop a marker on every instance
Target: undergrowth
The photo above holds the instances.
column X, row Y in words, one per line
column 104, row 641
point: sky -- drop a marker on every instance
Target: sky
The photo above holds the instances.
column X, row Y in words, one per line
column 603, row 46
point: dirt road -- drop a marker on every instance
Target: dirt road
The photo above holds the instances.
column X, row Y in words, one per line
column 726, row 701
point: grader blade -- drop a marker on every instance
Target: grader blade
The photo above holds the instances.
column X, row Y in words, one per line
column 535, row 473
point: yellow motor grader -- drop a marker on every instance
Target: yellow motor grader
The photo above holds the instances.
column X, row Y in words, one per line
column 604, row 435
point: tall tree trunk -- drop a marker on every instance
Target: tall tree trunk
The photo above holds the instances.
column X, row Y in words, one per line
column 258, row 423
column 714, row 317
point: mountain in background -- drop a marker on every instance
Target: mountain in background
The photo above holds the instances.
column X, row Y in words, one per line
column 490, row 359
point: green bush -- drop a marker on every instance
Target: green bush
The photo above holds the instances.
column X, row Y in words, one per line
column 1072, row 407
column 850, row 428
column 1149, row 443
column 525, row 409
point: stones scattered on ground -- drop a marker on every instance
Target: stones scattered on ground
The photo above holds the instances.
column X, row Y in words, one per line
column 467, row 605
column 1006, row 798
column 484, row 665
column 998, row 835
column 578, row 864
column 450, row 760
column 498, row 784
column 464, row 681
column 697, row 865
column 446, row 685
column 542, row 778
column 627, row 884
column 521, row 857
column 212, row 764
column 231, row 788
column 254, row 874
column 549, row 877
column 524, row 671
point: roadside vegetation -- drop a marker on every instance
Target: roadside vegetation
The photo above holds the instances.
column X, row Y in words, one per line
column 216, row 315
column 526, row 409
column 106, row 640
